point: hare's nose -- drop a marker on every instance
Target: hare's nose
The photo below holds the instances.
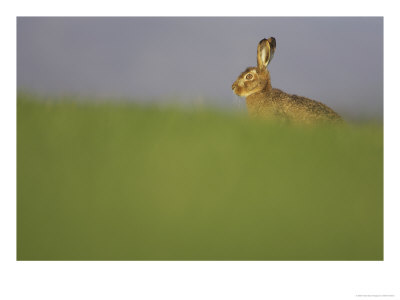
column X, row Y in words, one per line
column 233, row 86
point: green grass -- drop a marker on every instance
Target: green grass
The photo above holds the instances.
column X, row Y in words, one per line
column 124, row 182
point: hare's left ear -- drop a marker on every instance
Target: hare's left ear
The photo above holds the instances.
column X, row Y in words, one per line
column 265, row 52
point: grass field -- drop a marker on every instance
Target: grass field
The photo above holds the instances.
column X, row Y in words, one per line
column 127, row 182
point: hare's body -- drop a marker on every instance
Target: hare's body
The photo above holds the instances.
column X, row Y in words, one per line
column 264, row 101
column 275, row 104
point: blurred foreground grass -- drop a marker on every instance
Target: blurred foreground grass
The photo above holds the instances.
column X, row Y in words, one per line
column 122, row 182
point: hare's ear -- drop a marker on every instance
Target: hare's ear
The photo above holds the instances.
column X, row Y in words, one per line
column 265, row 52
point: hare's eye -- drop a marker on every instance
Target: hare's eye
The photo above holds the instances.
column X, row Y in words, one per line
column 249, row 76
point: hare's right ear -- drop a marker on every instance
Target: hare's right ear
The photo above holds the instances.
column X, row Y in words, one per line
column 265, row 52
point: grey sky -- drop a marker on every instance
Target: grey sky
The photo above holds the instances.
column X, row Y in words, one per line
column 338, row 61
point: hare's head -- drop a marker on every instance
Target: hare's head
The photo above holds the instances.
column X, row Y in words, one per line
column 256, row 79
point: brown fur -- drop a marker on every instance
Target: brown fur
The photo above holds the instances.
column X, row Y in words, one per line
column 264, row 101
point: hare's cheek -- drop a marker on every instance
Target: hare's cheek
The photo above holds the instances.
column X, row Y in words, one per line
column 249, row 85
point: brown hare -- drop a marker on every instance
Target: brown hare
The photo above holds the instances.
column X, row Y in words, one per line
column 264, row 101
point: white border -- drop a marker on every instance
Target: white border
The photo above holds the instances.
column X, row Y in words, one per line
column 196, row 280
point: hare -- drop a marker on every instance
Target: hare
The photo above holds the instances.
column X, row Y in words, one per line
column 264, row 101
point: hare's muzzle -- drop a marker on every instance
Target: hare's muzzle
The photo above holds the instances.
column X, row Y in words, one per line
column 236, row 88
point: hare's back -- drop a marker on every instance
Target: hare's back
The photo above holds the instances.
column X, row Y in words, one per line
column 297, row 107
